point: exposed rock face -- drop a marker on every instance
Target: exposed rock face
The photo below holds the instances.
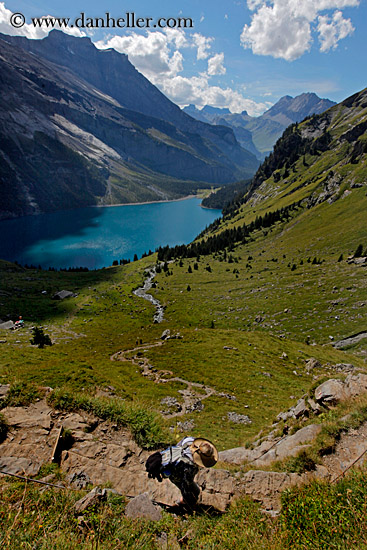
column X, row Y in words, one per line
column 266, row 487
column 101, row 453
column 290, row 445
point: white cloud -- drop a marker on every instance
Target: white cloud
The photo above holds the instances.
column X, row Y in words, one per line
column 28, row 29
column 332, row 30
column 153, row 54
column 215, row 65
column 157, row 55
column 203, row 44
column 283, row 28
column 198, row 91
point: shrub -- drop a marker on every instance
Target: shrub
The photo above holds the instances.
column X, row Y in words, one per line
column 40, row 339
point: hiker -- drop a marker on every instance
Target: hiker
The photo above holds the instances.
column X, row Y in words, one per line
column 181, row 463
column 19, row 323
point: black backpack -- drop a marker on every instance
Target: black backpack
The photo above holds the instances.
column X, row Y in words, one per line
column 159, row 464
column 153, row 466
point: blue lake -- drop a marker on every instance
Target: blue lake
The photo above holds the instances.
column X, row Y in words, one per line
column 95, row 237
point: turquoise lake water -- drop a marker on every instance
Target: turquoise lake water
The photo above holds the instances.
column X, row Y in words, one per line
column 95, row 237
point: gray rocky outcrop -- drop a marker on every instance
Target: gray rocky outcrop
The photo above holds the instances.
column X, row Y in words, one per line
column 7, row 325
column 331, row 392
column 19, row 466
column 290, row 445
column 143, row 507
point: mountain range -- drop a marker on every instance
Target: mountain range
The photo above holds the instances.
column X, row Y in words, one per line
column 81, row 126
column 259, row 134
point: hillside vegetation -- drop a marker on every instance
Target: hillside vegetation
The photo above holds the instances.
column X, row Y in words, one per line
column 283, row 279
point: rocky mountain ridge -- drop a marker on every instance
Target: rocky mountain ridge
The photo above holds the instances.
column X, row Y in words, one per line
column 84, row 125
column 259, row 134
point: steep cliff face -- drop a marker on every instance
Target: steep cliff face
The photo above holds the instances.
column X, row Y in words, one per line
column 66, row 142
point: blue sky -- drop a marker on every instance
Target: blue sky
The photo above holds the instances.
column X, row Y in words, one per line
column 242, row 54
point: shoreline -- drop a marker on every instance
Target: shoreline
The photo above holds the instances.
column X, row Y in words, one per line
column 147, row 202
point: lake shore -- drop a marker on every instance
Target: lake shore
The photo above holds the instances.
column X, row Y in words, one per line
column 147, row 202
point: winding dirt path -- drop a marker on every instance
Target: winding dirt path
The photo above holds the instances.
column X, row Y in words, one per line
column 192, row 399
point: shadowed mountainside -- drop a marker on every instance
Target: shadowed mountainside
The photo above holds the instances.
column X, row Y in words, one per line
column 81, row 126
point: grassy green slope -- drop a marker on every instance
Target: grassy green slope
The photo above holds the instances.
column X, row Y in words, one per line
column 281, row 298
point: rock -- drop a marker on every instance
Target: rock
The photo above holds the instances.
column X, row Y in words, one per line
column 165, row 334
column 91, row 499
column 356, row 384
column 301, row 409
column 217, row 488
column 185, row 426
column 4, row 388
column 197, row 406
column 230, row 348
column 331, row 392
column 62, row 294
column 37, row 414
column 171, row 403
column 239, row 455
column 312, row 363
column 344, row 367
column 79, row 480
column 238, row 418
column 315, row 407
column 142, row 507
column 168, row 542
column 8, row 325
column 19, row 466
column 291, row 445
column 266, row 487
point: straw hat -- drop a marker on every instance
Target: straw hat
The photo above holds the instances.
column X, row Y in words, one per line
column 204, row 452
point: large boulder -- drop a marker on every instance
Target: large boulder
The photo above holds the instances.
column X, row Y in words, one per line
column 331, row 392
column 7, row 325
column 143, row 507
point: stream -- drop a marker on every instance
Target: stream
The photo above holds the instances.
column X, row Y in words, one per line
column 142, row 292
